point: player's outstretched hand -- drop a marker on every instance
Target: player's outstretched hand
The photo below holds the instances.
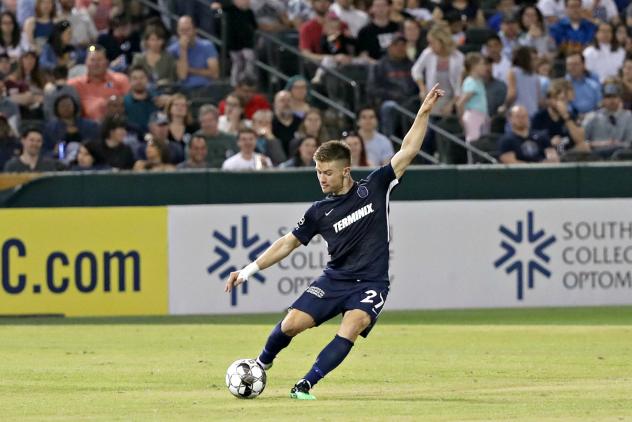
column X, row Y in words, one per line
column 233, row 281
column 431, row 99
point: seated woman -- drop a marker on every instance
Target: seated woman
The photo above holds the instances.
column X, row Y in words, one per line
column 25, row 87
column 181, row 124
column 155, row 59
column 88, row 158
column 358, row 152
column 304, row 156
column 68, row 126
column 59, row 50
column 38, row 28
column 312, row 125
column 11, row 42
column 157, row 158
column 298, row 88
column 233, row 117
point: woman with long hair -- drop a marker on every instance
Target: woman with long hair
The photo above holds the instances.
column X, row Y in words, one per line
column 534, row 33
column 356, row 146
column 304, row 155
column 26, row 86
column 38, row 28
column 523, row 84
column 181, row 125
column 298, row 87
column 59, row 50
column 605, row 57
column 158, row 158
column 10, row 38
column 312, row 125
column 154, row 58
column 441, row 63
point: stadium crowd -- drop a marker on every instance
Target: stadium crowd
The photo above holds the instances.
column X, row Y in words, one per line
column 108, row 84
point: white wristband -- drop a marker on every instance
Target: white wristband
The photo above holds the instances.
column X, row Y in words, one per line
column 248, row 270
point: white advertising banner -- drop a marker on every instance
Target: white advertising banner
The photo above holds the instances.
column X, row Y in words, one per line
column 444, row 254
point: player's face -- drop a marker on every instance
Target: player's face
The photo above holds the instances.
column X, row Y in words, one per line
column 331, row 175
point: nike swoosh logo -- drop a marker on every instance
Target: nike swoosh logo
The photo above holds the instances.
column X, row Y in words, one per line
column 329, row 212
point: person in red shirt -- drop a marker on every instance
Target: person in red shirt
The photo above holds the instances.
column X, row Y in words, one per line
column 98, row 84
column 311, row 31
column 246, row 91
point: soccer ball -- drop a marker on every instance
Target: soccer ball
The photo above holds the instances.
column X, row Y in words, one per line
column 245, row 379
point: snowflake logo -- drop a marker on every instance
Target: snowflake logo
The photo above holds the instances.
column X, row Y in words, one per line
column 223, row 252
column 535, row 263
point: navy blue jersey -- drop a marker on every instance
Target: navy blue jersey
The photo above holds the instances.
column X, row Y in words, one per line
column 355, row 227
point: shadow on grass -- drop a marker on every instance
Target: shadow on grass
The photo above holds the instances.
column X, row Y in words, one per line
column 616, row 315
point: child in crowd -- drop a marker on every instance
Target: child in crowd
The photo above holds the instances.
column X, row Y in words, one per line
column 472, row 104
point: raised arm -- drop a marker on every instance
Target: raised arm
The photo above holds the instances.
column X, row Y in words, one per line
column 281, row 248
column 415, row 136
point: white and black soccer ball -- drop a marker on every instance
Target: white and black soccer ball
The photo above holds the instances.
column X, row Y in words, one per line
column 245, row 379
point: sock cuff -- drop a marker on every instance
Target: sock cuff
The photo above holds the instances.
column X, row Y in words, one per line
column 346, row 340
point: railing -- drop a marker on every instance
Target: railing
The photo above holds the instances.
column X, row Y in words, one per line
column 420, row 153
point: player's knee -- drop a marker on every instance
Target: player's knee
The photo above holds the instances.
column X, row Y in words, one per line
column 292, row 325
column 363, row 322
column 358, row 323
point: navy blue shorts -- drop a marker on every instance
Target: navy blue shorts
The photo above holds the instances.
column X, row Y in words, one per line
column 326, row 298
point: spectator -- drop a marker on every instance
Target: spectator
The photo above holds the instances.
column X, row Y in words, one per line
column 375, row 37
column 298, row 87
column 31, row 159
column 467, row 9
column 84, row 32
column 552, row 10
column 573, row 33
column 9, row 145
column 626, row 80
column 500, row 64
column 586, row 87
column 240, row 39
column 544, row 70
column 414, row 41
column 68, row 126
column 55, row 89
column 439, row 63
column 120, row 43
column 8, row 108
column 98, row 84
column 456, row 26
column 379, row 149
column 159, row 133
column 232, row 119
column 181, row 124
column 509, row 34
column 601, row 10
column 312, row 125
column 495, row 90
column 59, row 50
column 271, row 15
column 267, row 144
column 609, row 128
column 558, row 120
column 197, row 153
column 311, row 31
column 197, row 63
column 472, row 105
column 605, row 57
column 140, row 103
column 503, row 8
column 391, row 85
column 299, row 12
column 534, row 33
column 88, row 158
column 157, row 158
column 112, row 148
column 10, row 39
column 398, row 12
column 38, row 28
column 26, row 86
column 159, row 64
column 522, row 145
column 285, row 122
column 336, row 46
column 356, row 147
column 219, row 145
column 304, row 155
column 250, row 99
column 354, row 19
column 523, row 87
column 247, row 158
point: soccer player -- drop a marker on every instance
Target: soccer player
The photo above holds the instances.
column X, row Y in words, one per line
column 353, row 219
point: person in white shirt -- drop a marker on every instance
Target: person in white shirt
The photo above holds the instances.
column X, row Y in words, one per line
column 605, row 57
column 247, row 158
column 354, row 18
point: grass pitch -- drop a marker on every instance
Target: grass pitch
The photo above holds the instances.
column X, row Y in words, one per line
column 523, row 364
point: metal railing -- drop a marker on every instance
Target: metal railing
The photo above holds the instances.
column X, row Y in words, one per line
column 421, row 153
column 449, row 136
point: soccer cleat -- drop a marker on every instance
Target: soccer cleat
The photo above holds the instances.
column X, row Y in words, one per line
column 264, row 366
column 301, row 391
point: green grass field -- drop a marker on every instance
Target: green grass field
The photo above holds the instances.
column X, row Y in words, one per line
column 526, row 364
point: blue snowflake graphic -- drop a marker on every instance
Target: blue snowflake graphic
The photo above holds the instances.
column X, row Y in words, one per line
column 231, row 242
column 514, row 265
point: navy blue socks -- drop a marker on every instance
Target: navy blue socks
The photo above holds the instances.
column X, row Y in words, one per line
column 277, row 341
column 329, row 358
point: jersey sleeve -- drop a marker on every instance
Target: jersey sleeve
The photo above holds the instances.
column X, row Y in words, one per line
column 307, row 226
column 382, row 176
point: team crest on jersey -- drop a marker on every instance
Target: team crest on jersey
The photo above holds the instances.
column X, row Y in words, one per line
column 301, row 221
column 362, row 191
